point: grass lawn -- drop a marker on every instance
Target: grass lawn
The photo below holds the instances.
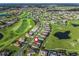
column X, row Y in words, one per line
column 71, row 44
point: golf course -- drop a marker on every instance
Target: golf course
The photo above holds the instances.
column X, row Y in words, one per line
column 71, row 43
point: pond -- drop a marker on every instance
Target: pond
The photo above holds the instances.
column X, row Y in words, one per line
column 62, row 35
column 1, row 36
column 75, row 25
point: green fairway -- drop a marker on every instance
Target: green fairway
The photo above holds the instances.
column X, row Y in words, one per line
column 25, row 24
column 71, row 44
column 15, row 31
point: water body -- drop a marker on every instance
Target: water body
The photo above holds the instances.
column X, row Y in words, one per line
column 75, row 25
column 1, row 36
column 4, row 14
column 62, row 35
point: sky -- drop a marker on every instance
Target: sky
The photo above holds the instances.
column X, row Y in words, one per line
column 39, row 1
